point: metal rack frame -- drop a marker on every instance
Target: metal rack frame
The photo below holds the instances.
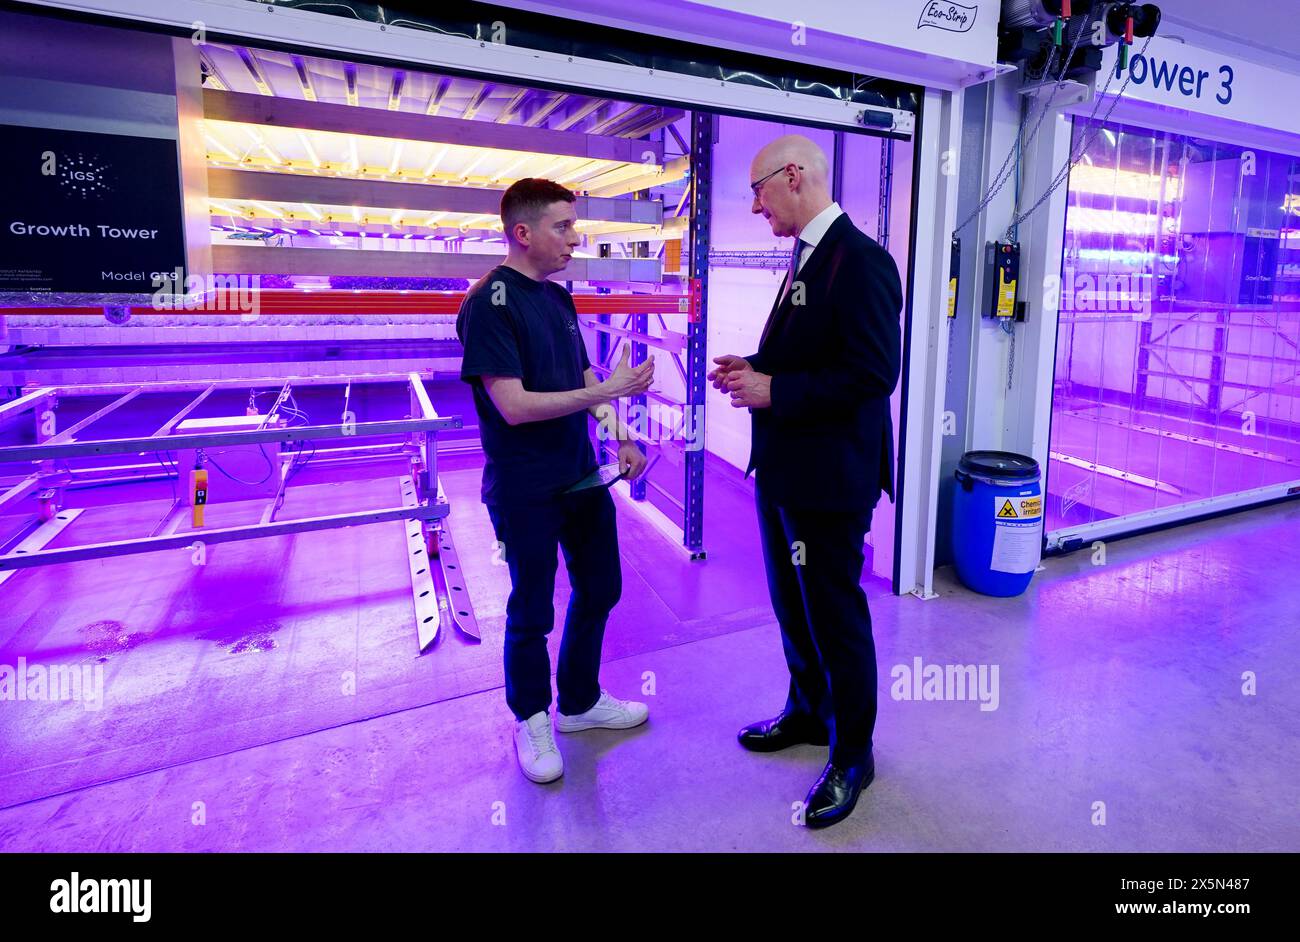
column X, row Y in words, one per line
column 423, row 504
column 685, row 345
column 687, row 350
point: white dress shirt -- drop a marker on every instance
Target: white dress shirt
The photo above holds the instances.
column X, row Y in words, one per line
column 815, row 230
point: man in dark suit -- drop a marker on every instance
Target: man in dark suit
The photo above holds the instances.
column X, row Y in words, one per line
column 822, row 451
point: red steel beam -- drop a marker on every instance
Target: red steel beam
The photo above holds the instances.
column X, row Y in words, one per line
column 297, row 301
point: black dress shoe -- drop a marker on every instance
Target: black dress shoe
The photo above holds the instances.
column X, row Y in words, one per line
column 782, row 731
column 836, row 792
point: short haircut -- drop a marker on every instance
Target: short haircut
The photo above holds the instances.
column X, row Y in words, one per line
column 527, row 199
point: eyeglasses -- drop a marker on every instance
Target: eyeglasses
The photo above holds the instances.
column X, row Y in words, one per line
column 758, row 184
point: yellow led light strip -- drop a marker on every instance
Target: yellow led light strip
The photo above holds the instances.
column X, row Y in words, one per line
column 366, row 215
column 1129, row 183
column 329, row 153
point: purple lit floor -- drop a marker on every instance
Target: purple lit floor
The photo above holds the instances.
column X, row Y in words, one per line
column 1120, row 684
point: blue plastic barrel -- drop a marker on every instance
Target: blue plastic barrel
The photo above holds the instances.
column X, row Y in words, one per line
column 997, row 522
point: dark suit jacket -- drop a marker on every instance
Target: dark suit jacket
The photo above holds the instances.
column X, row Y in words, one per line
column 827, row 440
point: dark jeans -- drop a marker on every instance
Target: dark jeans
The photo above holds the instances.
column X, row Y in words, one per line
column 825, row 624
column 583, row 526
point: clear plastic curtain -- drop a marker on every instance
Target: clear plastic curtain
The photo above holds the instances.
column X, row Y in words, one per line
column 1178, row 348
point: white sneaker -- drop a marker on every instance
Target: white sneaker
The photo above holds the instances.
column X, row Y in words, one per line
column 608, row 713
column 539, row 756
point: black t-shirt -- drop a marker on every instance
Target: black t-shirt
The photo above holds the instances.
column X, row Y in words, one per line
column 513, row 325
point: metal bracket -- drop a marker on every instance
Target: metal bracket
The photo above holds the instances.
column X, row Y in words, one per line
column 456, row 592
column 423, row 591
column 1070, row 92
column 42, row 536
column 437, row 581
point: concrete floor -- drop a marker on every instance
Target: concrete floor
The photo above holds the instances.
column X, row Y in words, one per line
column 255, row 646
column 1119, row 683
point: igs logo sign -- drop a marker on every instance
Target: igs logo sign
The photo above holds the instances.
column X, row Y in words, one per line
column 953, row 17
column 82, row 211
column 78, row 175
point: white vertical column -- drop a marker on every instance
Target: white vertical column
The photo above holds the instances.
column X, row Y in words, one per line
column 926, row 343
column 192, row 155
column 1042, row 236
column 990, row 347
column 1015, row 417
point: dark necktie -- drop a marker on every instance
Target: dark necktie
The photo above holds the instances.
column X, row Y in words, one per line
column 789, row 282
column 794, row 266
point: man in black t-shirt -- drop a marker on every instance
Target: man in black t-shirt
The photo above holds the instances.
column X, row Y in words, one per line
column 533, row 389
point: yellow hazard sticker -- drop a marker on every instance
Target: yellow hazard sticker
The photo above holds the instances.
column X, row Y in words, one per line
column 1007, row 298
column 1018, row 508
column 952, row 297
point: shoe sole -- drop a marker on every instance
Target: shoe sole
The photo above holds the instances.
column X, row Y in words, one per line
column 761, row 746
column 816, row 824
column 540, row 780
column 563, row 727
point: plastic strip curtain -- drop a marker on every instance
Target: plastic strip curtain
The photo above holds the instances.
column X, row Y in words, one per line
column 1178, row 346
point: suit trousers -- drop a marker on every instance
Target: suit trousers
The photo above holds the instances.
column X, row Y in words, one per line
column 814, row 562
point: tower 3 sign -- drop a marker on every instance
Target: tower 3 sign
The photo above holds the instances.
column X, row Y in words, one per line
column 87, row 212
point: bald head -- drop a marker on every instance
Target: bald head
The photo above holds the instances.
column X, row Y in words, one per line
column 796, row 183
column 798, row 150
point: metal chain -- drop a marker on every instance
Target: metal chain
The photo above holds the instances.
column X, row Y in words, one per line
column 999, row 181
column 1010, row 329
column 1076, row 154
column 951, row 321
column 1092, row 128
column 1004, row 174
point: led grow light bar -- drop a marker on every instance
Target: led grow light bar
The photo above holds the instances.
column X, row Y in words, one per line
column 329, row 153
column 1125, row 183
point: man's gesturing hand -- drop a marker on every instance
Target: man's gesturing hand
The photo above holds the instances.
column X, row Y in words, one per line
column 726, row 364
column 628, row 380
column 749, row 389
